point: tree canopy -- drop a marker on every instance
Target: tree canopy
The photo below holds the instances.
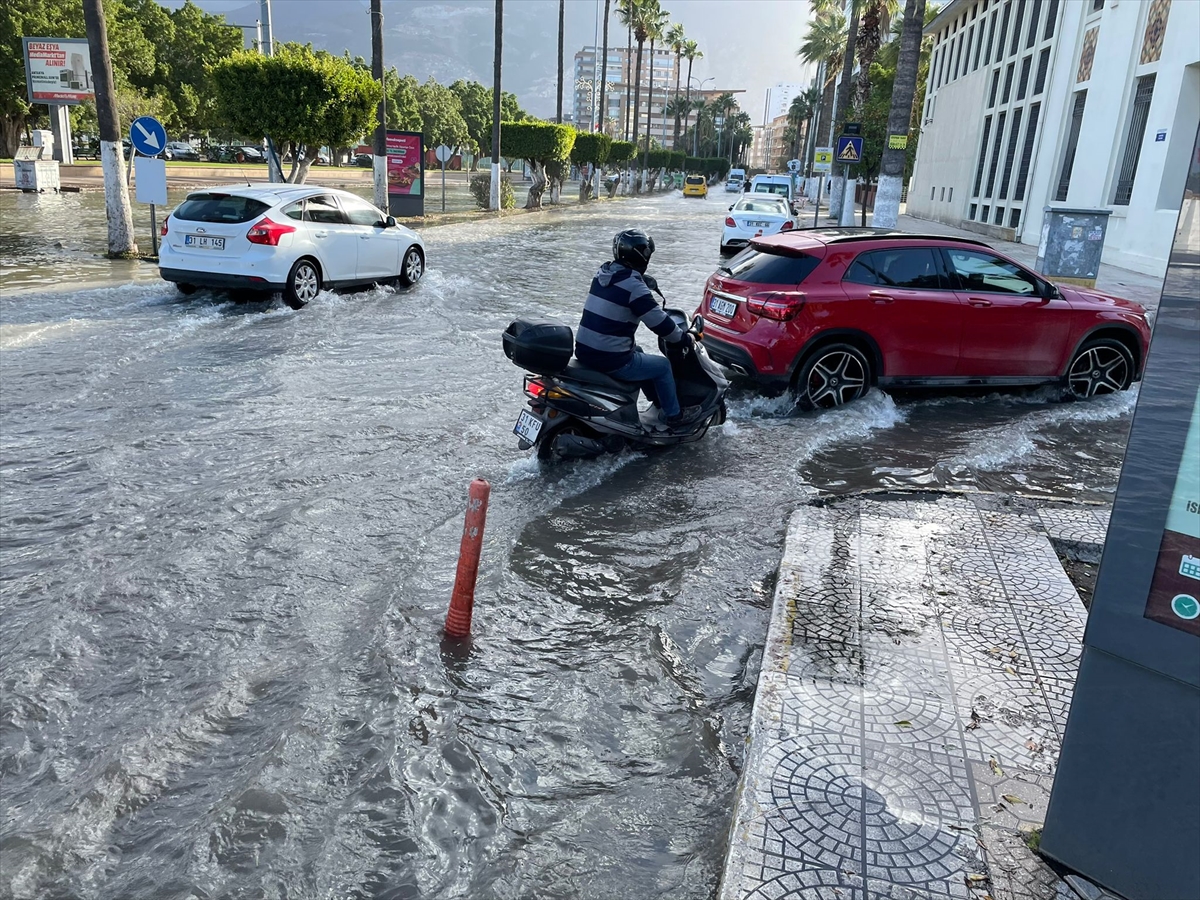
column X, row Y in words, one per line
column 298, row 96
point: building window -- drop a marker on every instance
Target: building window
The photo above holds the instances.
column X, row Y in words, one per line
column 999, row 220
column 1039, row 83
column 1033, row 24
column 1011, row 154
column 991, row 179
column 1051, row 18
column 950, row 196
column 992, row 92
column 1008, row 77
column 1023, row 81
column 1064, row 174
column 943, row 195
column 933, row 193
column 1027, row 151
column 978, row 47
column 1014, row 218
column 1016, row 32
column 987, row 130
column 958, row 57
column 973, row 210
column 1003, row 29
column 987, row 57
column 1097, row 5
column 1133, row 140
column 983, row 217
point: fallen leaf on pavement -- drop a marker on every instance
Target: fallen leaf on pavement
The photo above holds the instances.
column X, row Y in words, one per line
column 904, row 723
column 995, row 766
column 1012, row 798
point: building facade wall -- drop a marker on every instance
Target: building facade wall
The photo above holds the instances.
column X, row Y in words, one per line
column 587, row 80
column 1031, row 103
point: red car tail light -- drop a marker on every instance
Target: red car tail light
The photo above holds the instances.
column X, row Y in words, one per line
column 729, row 221
column 264, row 231
column 163, row 233
column 779, row 305
column 788, row 225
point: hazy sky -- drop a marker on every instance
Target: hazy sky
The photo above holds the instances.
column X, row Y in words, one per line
column 747, row 44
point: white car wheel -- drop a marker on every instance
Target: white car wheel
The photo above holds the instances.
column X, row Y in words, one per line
column 413, row 267
column 303, row 284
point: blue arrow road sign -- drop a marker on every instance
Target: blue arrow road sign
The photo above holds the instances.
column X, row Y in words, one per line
column 849, row 148
column 148, row 136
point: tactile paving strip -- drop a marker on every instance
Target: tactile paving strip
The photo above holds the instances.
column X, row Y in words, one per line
column 913, row 644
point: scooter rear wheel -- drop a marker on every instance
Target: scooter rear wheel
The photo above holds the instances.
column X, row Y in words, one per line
column 546, row 451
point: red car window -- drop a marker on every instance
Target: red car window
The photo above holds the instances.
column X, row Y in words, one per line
column 990, row 274
column 913, row 268
column 755, row 267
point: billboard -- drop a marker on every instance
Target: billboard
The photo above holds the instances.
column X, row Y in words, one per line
column 404, row 163
column 58, row 71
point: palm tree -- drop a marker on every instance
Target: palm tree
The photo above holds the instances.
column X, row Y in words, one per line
column 691, row 51
column 562, row 6
column 870, row 36
column 678, row 108
column 837, row 193
column 602, row 113
column 656, row 25
column 891, row 166
column 824, row 44
column 700, row 105
column 797, row 114
column 626, row 13
column 677, row 41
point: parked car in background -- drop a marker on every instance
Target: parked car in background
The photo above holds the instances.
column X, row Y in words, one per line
column 236, row 153
column 695, row 186
column 827, row 313
column 364, row 160
column 734, row 180
column 294, row 239
column 752, row 216
column 180, row 150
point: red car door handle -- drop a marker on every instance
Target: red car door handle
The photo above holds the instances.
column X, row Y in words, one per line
column 881, row 297
column 980, row 302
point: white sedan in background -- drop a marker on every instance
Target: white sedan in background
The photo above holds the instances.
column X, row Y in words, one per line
column 752, row 216
column 294, row 239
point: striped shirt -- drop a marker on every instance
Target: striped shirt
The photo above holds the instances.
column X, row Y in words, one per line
column 618, row 300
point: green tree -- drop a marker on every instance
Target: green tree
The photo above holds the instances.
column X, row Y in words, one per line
column 677, row 40
column 476, row 102
column 539, row 144
column 301, row 97
column 441, row 115
column 20, row 18
column 590, row 149
column 691, row 52
column 823, row 46
column 657, row 20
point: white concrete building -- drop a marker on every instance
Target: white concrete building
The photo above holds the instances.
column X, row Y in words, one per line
column 1074, row 103
column 779, row 96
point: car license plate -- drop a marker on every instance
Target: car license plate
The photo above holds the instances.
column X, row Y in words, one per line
column 723, row 307
column 528, row 427
column 204, row 242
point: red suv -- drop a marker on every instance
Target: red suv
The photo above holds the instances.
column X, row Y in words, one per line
column 830, row 312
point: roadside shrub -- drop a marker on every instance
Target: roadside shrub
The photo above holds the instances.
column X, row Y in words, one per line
column 481, row 190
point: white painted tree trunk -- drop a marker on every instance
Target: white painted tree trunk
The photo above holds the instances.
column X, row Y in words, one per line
column 887, row 201
column 116, row 201
column 846, row 216
column 380, row 183
column 494, row 201
column 837, row 189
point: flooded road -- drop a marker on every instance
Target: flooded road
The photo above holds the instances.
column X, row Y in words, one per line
column 229, row 536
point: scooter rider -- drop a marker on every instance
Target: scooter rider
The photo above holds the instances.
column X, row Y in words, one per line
column 619, row 298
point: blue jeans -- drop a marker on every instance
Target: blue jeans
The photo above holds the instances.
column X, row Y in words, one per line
column 653, row 373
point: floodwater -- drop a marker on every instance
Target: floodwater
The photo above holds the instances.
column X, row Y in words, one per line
column 228, row 540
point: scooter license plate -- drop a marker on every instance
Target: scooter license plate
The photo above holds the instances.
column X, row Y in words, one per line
column 528, row 427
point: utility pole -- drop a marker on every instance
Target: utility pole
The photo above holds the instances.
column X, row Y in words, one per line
column 494, row 201
column 380, row 148
column 116, row 192
column 268, row 35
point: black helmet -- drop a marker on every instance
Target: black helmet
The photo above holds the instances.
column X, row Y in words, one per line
column 633, row 247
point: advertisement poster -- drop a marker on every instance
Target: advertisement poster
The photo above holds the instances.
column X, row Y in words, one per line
column 404, row 163
column 1175, row 590
column 58, row 71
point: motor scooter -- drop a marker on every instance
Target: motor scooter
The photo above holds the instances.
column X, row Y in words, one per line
column 578, row 413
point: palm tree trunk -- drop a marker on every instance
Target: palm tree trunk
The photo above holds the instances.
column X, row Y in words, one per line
column 845, row 86
column 688, row 114
column 649, row 106
column 494, row 199
column 562, row 5
column 637, row 99
column 891, row 168
column 603, row 110
column 628, row 78
column 678, row 72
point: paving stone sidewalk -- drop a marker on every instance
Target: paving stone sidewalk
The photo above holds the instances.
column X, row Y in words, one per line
column 914, row 690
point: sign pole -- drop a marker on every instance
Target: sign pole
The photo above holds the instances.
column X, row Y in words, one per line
column 153, row 231
column 443, row 185
column 817, row 212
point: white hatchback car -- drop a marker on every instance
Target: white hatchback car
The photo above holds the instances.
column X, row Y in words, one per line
column 753, row 216
column 296, row 239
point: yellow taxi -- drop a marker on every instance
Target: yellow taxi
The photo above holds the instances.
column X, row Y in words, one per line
column 695, row 186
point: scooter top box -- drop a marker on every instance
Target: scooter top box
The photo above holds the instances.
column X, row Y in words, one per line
column 543, row 347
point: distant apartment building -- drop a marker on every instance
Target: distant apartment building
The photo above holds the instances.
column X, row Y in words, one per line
column 779, row 96
column 1072, row 103
column 621, row 71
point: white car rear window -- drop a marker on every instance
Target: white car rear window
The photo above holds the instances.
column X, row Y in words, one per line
column 217, row 207
column 775, row 207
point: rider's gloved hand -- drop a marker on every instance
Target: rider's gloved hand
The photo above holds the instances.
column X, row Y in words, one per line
column 685, row 344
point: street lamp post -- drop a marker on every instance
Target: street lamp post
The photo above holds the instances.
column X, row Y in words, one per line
column 696, row 129
column 719, row 121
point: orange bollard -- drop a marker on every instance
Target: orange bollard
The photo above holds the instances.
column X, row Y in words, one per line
column 462, row 601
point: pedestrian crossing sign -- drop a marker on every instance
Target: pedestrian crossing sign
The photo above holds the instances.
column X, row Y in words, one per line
column 849, row 148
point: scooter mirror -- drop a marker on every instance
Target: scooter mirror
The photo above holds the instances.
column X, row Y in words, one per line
column 698, row 324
